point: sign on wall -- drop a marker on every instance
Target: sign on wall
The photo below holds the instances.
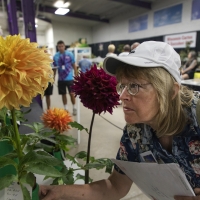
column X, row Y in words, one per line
column 138, row 24
column 168, row 16
column 180, row 40
column 195, row 10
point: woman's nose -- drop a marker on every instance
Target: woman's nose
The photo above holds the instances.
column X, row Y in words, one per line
column 125, row 94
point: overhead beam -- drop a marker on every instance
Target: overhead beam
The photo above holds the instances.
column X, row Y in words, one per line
column 19, row 8
column 142, row 4
column 81, row 15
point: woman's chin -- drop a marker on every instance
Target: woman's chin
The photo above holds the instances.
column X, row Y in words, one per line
column 130, row 120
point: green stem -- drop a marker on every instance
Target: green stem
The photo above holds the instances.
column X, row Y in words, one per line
column 16, row 134
column 88, row 150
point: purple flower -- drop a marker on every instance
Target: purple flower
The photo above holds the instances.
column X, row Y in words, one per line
column 97, row 90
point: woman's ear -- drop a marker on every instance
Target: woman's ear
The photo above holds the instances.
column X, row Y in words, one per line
column 175, row 90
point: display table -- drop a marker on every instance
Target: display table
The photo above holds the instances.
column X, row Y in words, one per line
column 192, row 83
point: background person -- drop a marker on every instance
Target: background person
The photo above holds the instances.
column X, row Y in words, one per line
column 134, row 45
column 190, row 66
column 111, row 50
column 49, row 90
column 85, row 64
column 65, row 62
column 126, row 50
column 160, row 114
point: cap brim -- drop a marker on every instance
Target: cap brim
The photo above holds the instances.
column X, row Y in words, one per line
column 111, row 63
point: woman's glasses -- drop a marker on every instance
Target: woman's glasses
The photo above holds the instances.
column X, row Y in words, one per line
column 132, row 88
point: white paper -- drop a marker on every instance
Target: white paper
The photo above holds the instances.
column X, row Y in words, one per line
column 157, row 181
column 14, row 192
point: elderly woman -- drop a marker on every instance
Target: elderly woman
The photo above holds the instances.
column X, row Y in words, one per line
column 160, row 116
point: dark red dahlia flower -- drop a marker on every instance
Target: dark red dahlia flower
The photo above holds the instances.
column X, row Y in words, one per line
column 97, row 90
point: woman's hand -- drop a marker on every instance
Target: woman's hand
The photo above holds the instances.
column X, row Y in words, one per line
column 182, row 71
column 196, row 191
column 51, row 192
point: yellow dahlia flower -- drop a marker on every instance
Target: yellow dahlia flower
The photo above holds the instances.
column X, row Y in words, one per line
column 57, row 119
column 25, row 71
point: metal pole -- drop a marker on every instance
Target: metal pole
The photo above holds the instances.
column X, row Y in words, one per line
column 78, row 118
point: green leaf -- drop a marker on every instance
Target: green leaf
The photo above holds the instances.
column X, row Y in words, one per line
column 50, row 139
column 109, row 166
column 78, row 126
column 71, row 158
column 95, row 165
column 11, row 156
column 20, row 115
column 67, row 139
column 37, row 126
column 6, row 131
column 46, row 147
column 81, row 155
column 28, row 178
column 43, row 169
column 92, row 159
column 55, row 181
column 63, row 147
column 29, row 125
column 80, row 177
column 68, row 178
column 4, row 161
column 3, row 113
column 7, row 180
column 48, row 134
column 109, row 169
column 40, row 157
column 26, row 193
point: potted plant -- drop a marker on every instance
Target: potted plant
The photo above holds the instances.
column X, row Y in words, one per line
column 25, row 72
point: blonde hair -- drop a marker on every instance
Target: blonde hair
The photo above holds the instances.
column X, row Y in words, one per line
column 111, row 48
column 171, row 117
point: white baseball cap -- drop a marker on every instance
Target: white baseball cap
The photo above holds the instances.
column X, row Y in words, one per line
column 148, row 54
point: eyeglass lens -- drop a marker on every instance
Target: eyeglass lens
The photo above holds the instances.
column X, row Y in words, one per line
column 132, row 88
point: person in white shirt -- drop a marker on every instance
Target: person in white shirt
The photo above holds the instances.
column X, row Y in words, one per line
column 111, row 50
column 126, row 50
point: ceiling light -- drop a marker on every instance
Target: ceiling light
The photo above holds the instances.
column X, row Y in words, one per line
column 61, row 11
column 59, row 4
column 66, row 5
column 36, row 25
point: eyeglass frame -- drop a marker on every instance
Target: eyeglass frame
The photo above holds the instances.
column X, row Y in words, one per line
column 127, row 86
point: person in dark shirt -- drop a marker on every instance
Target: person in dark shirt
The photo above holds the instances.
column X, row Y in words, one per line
column 190, row 66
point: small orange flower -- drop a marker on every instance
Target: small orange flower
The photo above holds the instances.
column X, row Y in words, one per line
column 57, row 119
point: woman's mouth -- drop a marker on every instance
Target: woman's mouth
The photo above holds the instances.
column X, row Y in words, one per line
column 127, row 108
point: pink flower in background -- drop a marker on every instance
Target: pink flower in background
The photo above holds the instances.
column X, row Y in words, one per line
column 96, row 90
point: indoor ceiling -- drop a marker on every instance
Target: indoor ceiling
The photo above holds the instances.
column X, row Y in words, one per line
column 87, row 12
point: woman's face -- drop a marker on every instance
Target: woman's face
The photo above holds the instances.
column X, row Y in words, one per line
column 189, row 55
column 142, row 107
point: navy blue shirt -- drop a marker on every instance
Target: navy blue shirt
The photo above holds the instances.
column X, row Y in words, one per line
column 140, row 138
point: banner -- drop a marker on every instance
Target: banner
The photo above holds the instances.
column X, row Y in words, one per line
column 168, row 16
column 138, row 24
column 180, row 40
column 195, row 10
